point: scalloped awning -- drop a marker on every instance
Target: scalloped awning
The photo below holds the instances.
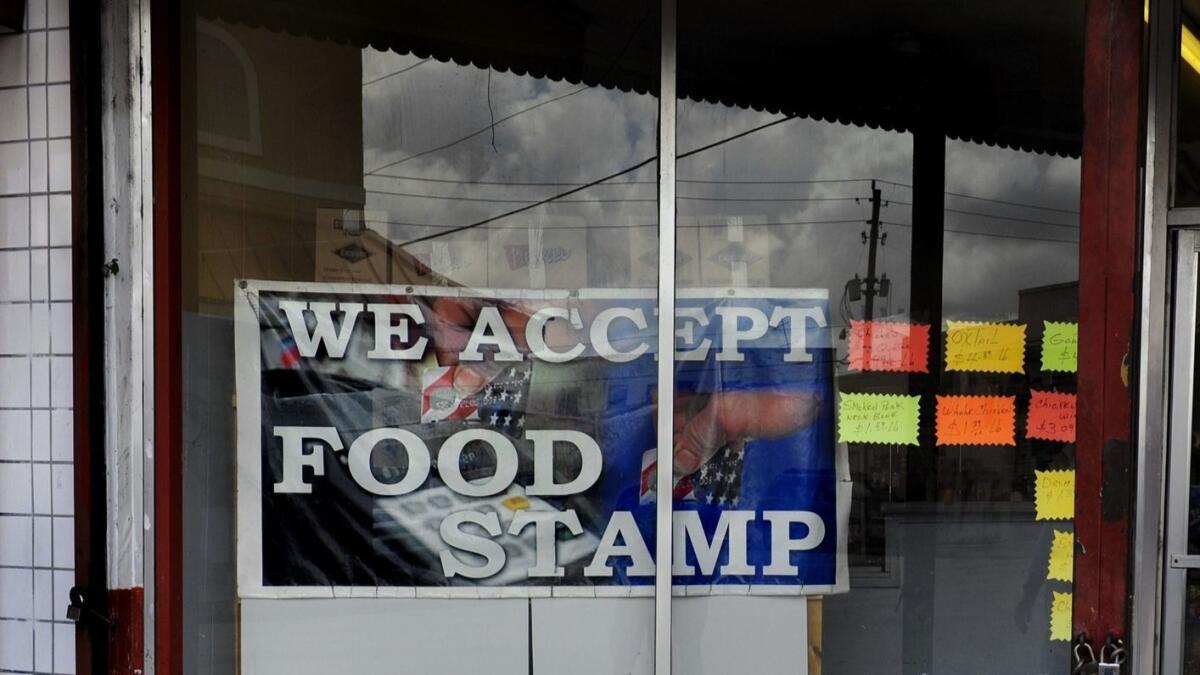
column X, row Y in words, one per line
column 1003, row 74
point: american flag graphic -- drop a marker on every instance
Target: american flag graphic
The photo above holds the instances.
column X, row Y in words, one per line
column 684, row 487
column 502, row 401
column 719, row 481
column 441, row 401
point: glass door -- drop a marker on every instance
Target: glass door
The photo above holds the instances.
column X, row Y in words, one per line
column 1181, row 576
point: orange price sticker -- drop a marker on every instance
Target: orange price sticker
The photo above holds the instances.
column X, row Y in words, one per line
column 1051, row 416
column 976, row 420
column 889, row 346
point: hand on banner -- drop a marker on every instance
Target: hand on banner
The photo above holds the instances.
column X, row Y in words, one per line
column 732, row 416
column 450, row 325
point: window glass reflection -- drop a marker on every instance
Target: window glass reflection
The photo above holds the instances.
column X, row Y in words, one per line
column 920, row 176
column 426, row 196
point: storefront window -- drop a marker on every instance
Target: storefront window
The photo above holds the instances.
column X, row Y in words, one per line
column 471, row 208
column 854, row 155
column 420, row 261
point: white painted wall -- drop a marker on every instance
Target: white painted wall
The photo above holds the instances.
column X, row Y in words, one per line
column 36, row 438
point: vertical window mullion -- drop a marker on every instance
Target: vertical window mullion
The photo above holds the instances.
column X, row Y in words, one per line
column 666, row 341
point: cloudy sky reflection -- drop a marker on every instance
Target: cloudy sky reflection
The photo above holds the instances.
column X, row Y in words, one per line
column 799, row 190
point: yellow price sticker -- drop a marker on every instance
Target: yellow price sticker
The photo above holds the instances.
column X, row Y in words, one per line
column 1054, row 495
column 985, row 347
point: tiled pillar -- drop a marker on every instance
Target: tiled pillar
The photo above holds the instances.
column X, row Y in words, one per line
column 36, row 480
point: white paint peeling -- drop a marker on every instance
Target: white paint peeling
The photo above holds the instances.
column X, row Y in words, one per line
column 127, row 144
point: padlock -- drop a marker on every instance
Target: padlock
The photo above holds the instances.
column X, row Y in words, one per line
column 1112, row 655
column 75, row 609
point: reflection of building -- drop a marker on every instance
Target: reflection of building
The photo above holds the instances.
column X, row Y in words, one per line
column 1058, row 302
column 263, row 185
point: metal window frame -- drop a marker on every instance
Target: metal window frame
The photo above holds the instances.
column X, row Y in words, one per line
column 1179, row 455
column 664, row 506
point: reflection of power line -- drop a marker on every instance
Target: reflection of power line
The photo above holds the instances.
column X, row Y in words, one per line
column 1015, row 219
column 609, row 177
column 730, row 181
column 507, row 183
column 705, row 226
column 634, row 226
column 479, row 131
column 1023, row 205
column 603, row 77
column 455, row 198
column 994, row 235
column 398, row 72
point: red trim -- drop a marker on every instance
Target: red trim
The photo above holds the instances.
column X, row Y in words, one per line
column 168, row 488
column 1108, row 242
column 92, row 641
column 127, row 608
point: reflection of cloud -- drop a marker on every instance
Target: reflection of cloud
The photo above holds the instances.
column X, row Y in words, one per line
column 984, row 274
column 814, row 227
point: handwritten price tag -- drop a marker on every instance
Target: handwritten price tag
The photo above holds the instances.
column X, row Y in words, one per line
column 878, row 418
column 1060, row 616
column 1062, row 557
column 1051, row 416
column 1060, row 347
column 1054, row 495
column 888, row 346
column 976, row 420
column 985, row 347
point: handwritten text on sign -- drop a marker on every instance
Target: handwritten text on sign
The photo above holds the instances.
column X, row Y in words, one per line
column 1062, row 557
column 1055, row 495
column 1051, row 416
column 1060, row 616
column 976, row 420
column 878, row 418
column 887, row 346
column 1060, row 347
column 985, row 347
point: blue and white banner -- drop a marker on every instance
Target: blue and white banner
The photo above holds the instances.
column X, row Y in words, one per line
column 433, row 441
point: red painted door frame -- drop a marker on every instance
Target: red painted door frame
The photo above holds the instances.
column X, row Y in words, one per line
column 168, row 385
column 1108, row 243
column 87, row 339
column 1109, row 199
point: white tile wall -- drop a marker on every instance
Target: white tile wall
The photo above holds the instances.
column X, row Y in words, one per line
column 37, row 551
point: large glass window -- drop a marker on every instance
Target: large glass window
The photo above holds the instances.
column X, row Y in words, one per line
column 420, row 261
column 468, row 201
column 911, row 175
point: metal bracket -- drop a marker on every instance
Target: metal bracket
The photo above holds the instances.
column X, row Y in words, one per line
column 1181, row 561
